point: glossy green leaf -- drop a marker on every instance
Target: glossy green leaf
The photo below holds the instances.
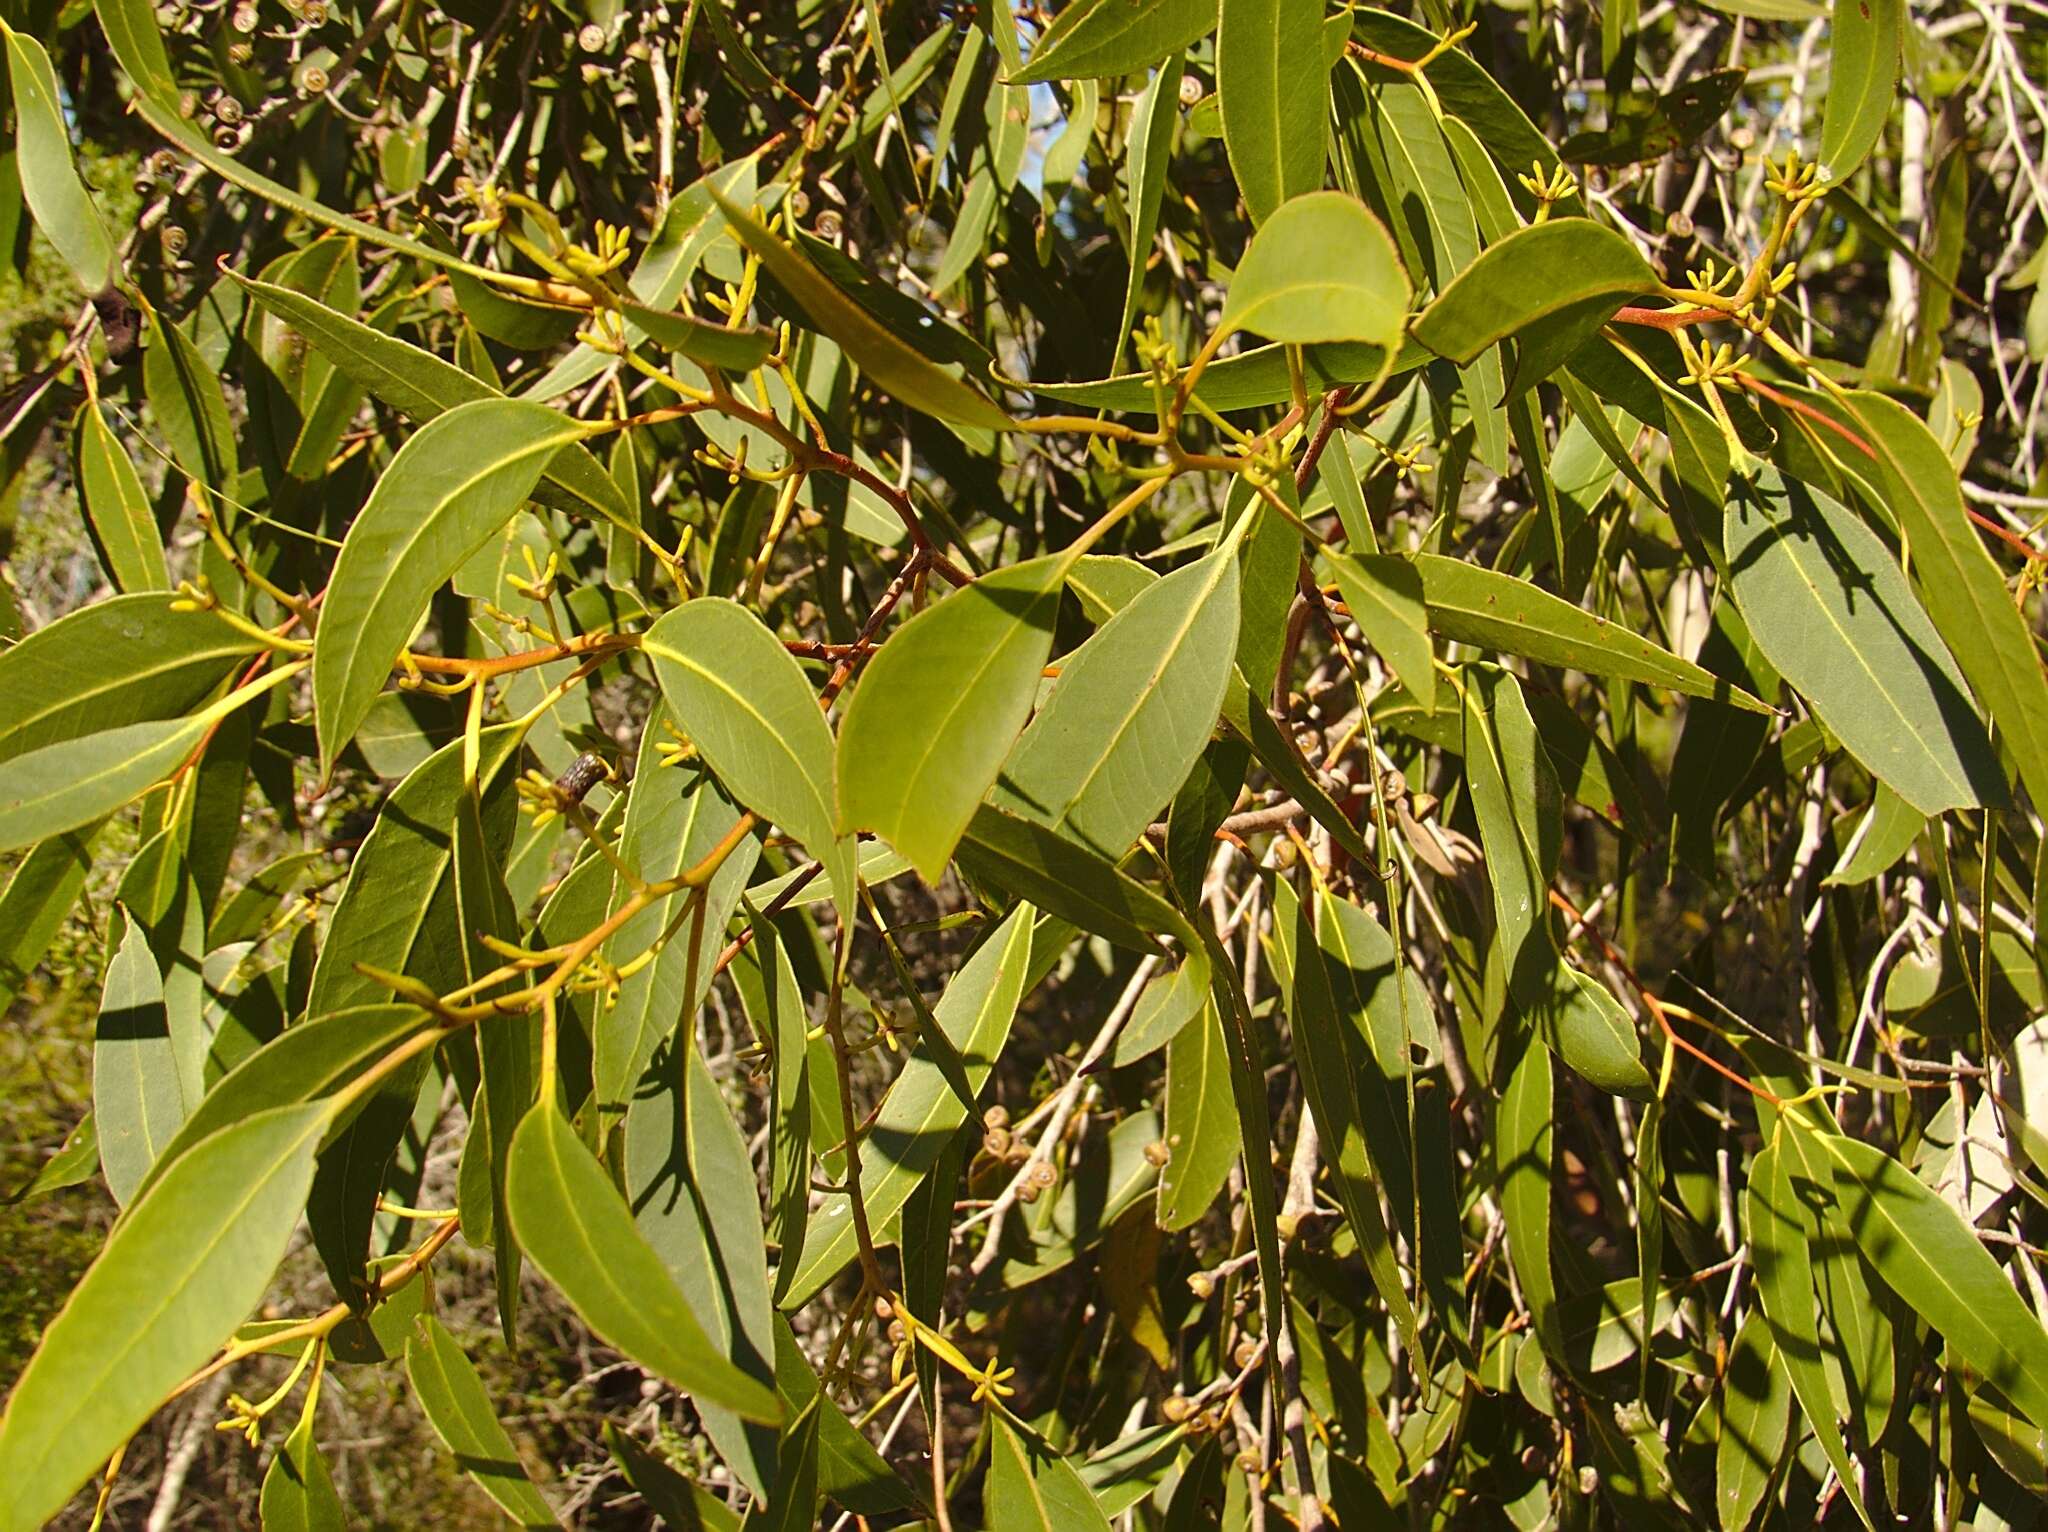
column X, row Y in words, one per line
column 1959, row 584
column 577, row 1229
column 1110, row 38
column 132, row 659
column 1831, row 610
column 920, row 1112
column 939, row 707
column 1321, row 268
column 194, row 1257
column 890, row 364
column 1131, row 711
column 1274, row 102
column 1384, row 595
column 1031, row 862
column 1568, row 275
column 1031, row 1486
column 77, row 781
column 744, row 703
column 62, row 207
column 454, row 483
column 1489, row 610
column 123, row 526
column 1864, row 59
column 456, row 1405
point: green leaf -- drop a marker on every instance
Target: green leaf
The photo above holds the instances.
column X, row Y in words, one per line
column 1523, row 1159
column 62, row 207
column 1959, row 585
column 920, row 1112
column 1168, row 1003
column 1926, row 1254
column 1780, row 1228
column 792, row 1506
column 1885, row 833
column 1755, row 1420
column 939, row 706
column 298, row 1492
column 850, row 1471
column 457, row 1407
column 123, row 526
column 181, row 1270
column 191, row 410
column 1562, row 279
column 691, row 1187
column 1150, row 147
column 40, row 895
column 1254, row 377
column 1274, row 101
column 576, row 1228
column 1105, row 39
column 60, row 787
column 1031, row 1487
column 137, row 1097
column 1826, row 602
column 452, row 485
column 1131, row 711
column 1864, row 59
column 1031, row 862
column 1321, row 268
column 746, row 706
column 740, row 350
column 73, row 1164
column 1201, row 1121
column 1383, row 593
column 1497, row 612
column 421, row 386
column 134, row 659
column 680, row 1504
column 890, row 364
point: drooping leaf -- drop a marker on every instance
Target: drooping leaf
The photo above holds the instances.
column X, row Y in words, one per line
column 1864, row 59
column 920, row 1112
column 62, row 207
column 40, row 894
column 1112, row 38
column 298, row 1491
column 457, row 1406
column 454, row 483
column 939, row 707
column 1131, row 711
column 1032, row 1487
column 1200, row 1122
column 195, row 1256
column 577, row 1229
column 1025, row 859
column 1274, row 100
column 1150, row 147
column 1321, row 268
column 123, row 527
column 1829, row 607
column 1384, row 595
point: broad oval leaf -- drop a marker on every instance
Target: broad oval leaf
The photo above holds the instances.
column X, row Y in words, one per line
column 50, row 186
column 134, row 659
column 1828, row 605
column 1490, row 610
column 1568, row 272
column 939, row 706
column 746, row 706
column 452, row 1397
column 576, row 1228
column 1108, row 38
column 178, row 1274
column 1321, row 269
column 890, row 364
column 453, row 484
column 1131, row 711
column 1274, row 99
column 920, row 1112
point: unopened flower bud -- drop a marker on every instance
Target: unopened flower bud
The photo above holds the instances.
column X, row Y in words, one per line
column 1157, row 1154
column 1175, row 1409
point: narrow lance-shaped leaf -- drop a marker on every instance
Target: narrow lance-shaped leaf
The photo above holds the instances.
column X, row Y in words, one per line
column 62, row 207
column 1150, row 147
column 451, row 486
column 123, row 526
column 138, row 1099
column 1864, row 59
column 1274, row 98
column 576, row 1228
column 178, row 1274
column 1031, row 1487
column 453, row 1399
column 1111, row 38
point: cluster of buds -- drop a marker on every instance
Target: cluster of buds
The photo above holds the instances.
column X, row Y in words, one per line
column 612, row 245
column 1548, row 188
